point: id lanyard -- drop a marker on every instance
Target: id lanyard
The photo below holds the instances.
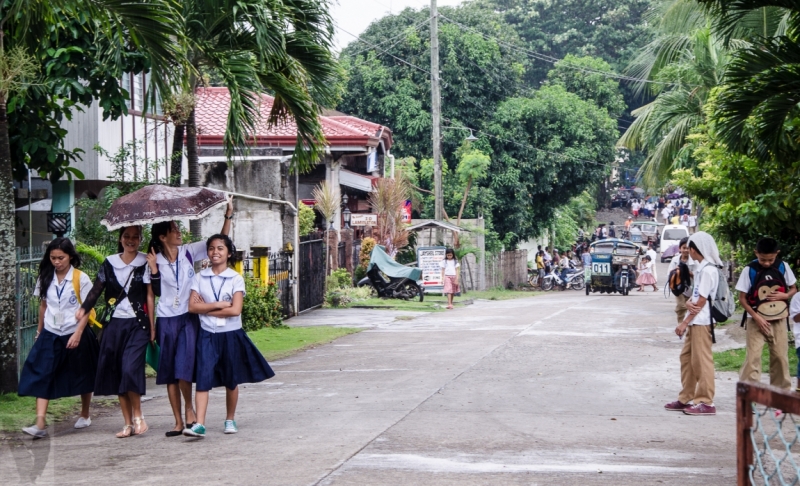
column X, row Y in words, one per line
column 176, row 302
column 220, row 320
column 59, row 316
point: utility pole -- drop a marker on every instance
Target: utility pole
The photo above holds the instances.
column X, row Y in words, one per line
column 436, row 116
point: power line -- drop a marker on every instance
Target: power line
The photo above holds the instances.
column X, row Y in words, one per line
column 405, row 32
column 387, row 53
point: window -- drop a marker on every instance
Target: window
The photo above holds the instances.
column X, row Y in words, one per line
column 674, row 234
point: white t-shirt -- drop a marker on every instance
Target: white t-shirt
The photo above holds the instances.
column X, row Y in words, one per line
column 218, row 288
column 692, row 221
column 184, row 269
column 665, row 213
column 122, row 271
column 794, row 309
column 449, row 267
column 706, row 280
column 744, row 283
column 635, row 206
column 673, row 264
column 62, row 303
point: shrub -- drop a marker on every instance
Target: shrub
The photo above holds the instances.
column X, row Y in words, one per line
column 345, row 297
column 261, row 307
column 339, row 279
column 306, row 217
column 367, row 245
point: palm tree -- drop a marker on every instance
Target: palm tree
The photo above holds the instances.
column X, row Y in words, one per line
column 253, row 46
column 145, row 25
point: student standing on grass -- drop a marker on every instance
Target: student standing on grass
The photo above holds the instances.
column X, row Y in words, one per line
column 697, row 363
column 172, row 270
column 120, row 367
column 765, row 287
column 63, row 359
column 225, row 354
column 450, row 273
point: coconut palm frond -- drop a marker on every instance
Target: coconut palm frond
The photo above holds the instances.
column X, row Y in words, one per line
column 328, row 199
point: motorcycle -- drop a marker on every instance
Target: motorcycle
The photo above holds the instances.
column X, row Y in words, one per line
column 390, row 279
column 575, row 280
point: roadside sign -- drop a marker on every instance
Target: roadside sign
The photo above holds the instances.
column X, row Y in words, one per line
column 364, row 220
column 428, row 258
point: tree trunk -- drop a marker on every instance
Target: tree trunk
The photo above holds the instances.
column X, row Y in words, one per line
column 177, row 156
column 8, row 315
column 194, row 166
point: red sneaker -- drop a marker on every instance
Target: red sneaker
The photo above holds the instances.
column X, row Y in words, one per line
column 676, row 406
column 701, row 409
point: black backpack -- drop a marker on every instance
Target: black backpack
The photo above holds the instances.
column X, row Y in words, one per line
column 679, row 279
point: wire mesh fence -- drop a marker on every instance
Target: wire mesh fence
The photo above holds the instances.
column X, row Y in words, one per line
column 768, row 420
column 27, row 269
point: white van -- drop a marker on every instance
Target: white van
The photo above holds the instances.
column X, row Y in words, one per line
column 672, row 234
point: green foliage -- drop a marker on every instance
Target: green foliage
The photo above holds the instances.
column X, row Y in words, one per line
column 578, row 213
column 345, row 296
column 306, row 218
column 339, row 279
column 589, row 83
column 261, row 307
column 367, row 245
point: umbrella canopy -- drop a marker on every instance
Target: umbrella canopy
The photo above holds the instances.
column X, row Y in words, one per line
column 638, row 190
column 157, row 203
column 671, row 251
column 674, row 195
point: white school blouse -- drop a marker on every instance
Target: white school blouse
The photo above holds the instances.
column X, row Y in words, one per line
column 122, row 270
column 66, row 304
column 177, row 277
column 224, row 285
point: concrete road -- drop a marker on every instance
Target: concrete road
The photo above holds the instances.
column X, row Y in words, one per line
column 561, row 388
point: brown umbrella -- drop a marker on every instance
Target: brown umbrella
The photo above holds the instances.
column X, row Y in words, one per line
column 157, row 203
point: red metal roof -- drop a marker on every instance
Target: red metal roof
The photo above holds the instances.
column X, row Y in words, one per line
column 211, row 113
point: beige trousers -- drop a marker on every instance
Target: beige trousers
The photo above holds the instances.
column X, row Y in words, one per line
column 778, row 354
column 697, row 367
column 680, row 307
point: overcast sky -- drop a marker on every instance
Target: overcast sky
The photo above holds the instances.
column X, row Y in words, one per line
column 354, row 16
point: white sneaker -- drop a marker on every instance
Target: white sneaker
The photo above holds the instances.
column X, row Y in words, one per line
column 35, row 431
column 82, row 423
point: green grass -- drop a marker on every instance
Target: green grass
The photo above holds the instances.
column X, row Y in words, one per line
column 275, row 343
column 732, row 360
column 17, row 412
column 501, row 294
column 437, row 302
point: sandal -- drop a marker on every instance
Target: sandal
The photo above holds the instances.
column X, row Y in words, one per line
column 138, row 428
column 127, row 431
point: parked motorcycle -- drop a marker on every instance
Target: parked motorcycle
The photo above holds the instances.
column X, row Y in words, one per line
column 575, row 280
column 390, row 279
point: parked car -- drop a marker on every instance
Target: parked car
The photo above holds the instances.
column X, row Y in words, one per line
column 672, row 235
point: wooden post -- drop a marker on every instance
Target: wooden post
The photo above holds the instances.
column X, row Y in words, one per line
column 347, row 237
column 261, row 267
column 744, row 422
column 332, row 241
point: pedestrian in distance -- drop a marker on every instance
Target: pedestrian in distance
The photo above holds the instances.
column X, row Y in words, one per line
column 172, row 271
column 697, row 363
column 225, row 354
column 540, row 264
column 451, row 271
column 692, row 223
column 680, row 271
column 63, row 359
column 651, row 252
column 646, row 277
column 765, row 287
column 125, row 282
column 612, row 233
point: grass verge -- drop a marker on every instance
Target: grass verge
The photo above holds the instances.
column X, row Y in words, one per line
column 436, row 302
column 732, row 360
column 17, row 412
column 275, row 343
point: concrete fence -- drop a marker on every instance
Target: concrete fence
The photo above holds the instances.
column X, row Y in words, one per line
column 507, row 268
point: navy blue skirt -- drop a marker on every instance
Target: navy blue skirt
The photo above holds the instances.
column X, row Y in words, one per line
column 177, row 337
column 53, row 371
column 120, row 367
column 229, row 359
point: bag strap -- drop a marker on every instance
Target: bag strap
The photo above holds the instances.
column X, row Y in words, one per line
column 189, row 257
column 76, row 284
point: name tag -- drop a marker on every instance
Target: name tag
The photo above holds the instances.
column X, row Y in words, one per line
column 59, row 320
column 176, row 303
column 220, row 321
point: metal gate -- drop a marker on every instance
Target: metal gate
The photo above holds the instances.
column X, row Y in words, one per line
column 27, row 269
column 311, row 261
column 280, row 272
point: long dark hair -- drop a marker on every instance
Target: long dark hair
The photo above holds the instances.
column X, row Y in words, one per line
column 46, row 268
column 232, row 256
column 120, row 248
column 156, row 231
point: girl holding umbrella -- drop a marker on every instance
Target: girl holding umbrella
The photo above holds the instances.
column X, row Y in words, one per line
column 171, row 266
column 124, row 279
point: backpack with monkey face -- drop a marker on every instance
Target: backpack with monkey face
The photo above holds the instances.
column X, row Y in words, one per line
column 764, row 281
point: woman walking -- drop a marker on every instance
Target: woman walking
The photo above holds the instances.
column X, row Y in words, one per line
column 63, row 359
column 225, row 355
column 450, row 273
column 172, row 271
column 120, row 368
column 646, row 276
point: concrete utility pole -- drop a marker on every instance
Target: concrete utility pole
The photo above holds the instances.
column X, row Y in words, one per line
column 436, row 115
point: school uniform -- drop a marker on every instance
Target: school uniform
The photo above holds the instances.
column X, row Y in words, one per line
column 450, row 275
column 697, row 361
column 120, row 367
column 176, row 328
column 51, row 370
column 225, row 354
column 680, row 300
column 778, row 347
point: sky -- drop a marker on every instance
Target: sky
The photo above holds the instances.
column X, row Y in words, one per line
column 354, row 16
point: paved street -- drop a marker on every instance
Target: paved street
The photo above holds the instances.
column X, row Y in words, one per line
column 556, row 389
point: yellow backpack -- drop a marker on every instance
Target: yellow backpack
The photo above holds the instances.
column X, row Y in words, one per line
column 76, row 286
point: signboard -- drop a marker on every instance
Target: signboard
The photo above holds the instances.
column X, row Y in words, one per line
column 406, row 209
column 364, row 220
column 428, row 258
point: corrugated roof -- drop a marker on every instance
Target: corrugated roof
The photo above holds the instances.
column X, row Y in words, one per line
column 211, row 113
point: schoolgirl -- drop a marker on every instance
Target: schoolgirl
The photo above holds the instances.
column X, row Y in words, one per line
column 120, row 368
column 172, row 270
column 450, row 273
column 225, row 355
column 63, row 359
column 646, row 277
